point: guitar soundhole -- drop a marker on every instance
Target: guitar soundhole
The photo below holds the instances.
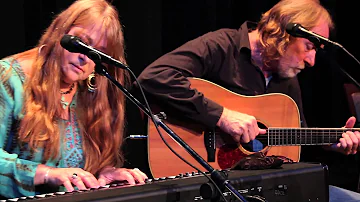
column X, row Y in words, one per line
column 259, row 143
column 230, row 154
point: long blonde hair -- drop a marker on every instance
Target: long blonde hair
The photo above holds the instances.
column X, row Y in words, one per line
column 273, row 36
column 100, row 114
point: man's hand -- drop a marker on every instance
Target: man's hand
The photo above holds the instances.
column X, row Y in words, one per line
column 242, row 127
column 349, row 142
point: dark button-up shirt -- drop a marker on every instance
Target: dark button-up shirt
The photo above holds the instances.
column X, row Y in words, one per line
column 222, row 57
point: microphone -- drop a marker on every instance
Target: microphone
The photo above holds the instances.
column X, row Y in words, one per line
column 296, row 30
column 75, row 45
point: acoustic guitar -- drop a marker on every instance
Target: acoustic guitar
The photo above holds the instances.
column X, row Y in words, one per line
column 276, row 112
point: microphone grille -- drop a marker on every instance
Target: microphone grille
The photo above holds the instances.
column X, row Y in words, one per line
column 69, row 42
column 293, row 29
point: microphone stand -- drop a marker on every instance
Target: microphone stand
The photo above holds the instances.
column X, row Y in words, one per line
column 218, row 178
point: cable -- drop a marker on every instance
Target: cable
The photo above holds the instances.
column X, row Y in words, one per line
column 256, row 197
column 349, row 54
column 161, row 136
column 340, row 68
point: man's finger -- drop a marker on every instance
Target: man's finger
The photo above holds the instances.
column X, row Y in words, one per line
column 350, row 122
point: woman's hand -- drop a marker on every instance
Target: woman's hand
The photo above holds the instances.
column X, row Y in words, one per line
column 132, row 176
column 69, row 177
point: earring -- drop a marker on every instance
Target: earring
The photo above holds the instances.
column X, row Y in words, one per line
column 42, row 46
column 91, row 83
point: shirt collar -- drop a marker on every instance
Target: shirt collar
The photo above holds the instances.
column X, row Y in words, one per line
column 244, row 30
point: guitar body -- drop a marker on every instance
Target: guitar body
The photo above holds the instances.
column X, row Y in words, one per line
column 270, row 110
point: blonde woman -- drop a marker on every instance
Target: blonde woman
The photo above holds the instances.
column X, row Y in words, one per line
column 60, row 123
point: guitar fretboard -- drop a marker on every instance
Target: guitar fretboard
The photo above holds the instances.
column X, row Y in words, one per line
column 305, row 136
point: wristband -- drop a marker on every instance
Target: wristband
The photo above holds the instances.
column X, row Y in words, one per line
column 46, row 176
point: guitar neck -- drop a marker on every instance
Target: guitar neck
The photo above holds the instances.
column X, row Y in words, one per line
column 305, row 136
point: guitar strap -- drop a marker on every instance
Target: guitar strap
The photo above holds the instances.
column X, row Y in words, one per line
column 209, row 141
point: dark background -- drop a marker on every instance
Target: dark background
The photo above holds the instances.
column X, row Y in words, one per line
column 155, row 27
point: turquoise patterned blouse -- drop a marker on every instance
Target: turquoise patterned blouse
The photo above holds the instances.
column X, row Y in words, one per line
column 18, row 165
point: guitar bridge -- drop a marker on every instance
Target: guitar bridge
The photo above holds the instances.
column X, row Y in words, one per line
column 209, row 141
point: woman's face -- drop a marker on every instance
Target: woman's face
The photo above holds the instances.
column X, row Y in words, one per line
column 76, row 66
